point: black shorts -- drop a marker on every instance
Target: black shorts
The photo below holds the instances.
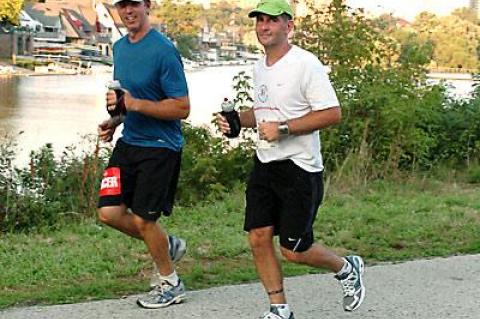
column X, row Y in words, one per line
column 143, row 178
column 283, row 195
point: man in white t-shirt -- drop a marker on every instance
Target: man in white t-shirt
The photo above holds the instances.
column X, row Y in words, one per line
column 294, row 99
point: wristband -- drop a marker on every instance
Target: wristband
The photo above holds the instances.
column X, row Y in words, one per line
column 283, row 129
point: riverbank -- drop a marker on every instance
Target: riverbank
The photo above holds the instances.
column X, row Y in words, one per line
column 7, row 69
column 52, row 69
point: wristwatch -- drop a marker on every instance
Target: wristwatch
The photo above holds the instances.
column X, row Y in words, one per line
column 283, row 129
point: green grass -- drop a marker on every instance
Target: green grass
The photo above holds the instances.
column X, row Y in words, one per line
column 383, row 221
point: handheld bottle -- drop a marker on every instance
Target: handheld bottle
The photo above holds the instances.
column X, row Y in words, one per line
column 233, row 119
column 120, row 105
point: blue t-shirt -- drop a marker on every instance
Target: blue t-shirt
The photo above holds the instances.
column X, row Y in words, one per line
column 150, row 69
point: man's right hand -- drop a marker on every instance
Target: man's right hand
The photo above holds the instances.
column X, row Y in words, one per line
column 106, row 129
column 111, row 100
column 222, row 124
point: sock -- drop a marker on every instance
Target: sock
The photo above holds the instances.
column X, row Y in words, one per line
column 346, row 269
column 172, row 278
column 282, row 309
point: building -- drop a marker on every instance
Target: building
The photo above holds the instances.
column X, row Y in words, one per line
column 15, row 41
column 109, row 27
column 58, row 24
column 78, row 22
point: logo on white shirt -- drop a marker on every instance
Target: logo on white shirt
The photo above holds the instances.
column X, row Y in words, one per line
column 263, row 93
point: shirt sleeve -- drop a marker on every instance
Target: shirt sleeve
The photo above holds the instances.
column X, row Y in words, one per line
column 172, row 76
column 318, row 88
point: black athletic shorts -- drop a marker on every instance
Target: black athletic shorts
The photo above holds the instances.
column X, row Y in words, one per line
column 143, row 178
column 283, row 195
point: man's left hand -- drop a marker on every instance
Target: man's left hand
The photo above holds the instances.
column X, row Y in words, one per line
column 130, row 101
column 269, row 131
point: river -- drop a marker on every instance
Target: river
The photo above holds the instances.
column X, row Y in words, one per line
column 36, row 110
column 60, row 110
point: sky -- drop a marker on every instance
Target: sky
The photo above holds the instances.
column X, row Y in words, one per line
column 408, row 9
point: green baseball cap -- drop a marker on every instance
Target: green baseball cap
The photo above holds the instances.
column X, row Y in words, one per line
column 272, row 8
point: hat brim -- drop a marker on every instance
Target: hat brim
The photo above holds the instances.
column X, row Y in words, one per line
column 117, row 1
column 257, row 12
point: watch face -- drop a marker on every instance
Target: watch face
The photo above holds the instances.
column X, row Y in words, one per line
column 283, row 129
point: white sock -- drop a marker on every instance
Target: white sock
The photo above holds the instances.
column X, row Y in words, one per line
column 346, row 269
column 283, row 310
column 172, row 278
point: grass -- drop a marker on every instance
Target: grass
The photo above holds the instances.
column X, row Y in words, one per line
column 382, row 221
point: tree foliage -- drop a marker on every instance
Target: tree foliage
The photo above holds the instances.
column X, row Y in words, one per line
column 10, row 10
column 222, row 16
column 179, row 18
column 183, row 22
column 186, row 45
column 453, row 40
column 389, row 113
column 466, row 14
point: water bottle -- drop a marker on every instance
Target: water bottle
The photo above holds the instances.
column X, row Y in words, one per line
column 120, row 105
column 228, row 111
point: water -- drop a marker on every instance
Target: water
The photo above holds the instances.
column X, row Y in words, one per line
column 460, row 86
column 61, row 109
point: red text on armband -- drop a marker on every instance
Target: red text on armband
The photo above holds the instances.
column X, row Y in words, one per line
column 111, row 185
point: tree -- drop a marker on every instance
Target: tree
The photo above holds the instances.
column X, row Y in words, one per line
column 223, row 15
column 186, row 44
column 179, row 18
column 10, row 10
column 455, row 39
column 387, row 109
column 425, row 22
column 467, row 14
column 386, row 22
column 415, row 51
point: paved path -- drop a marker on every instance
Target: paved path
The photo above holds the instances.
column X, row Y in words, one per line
column 439, row 288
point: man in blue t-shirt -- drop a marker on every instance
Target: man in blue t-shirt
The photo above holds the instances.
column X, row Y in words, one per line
column 141, row 178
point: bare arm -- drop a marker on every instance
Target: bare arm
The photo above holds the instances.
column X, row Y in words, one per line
column 247, row 118
column 312, row 121
column 168, row 109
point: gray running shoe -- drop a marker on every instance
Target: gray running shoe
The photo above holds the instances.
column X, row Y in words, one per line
column 352, row 284
column 274, row 314
column 176, row 249
column 163, row 295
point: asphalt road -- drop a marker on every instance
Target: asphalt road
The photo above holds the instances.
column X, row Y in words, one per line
column 439, row 288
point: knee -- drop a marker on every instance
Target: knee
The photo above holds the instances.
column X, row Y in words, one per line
column 260, row 238
column 105, row 215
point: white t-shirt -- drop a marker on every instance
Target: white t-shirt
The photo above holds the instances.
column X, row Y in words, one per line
column 294, row 86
